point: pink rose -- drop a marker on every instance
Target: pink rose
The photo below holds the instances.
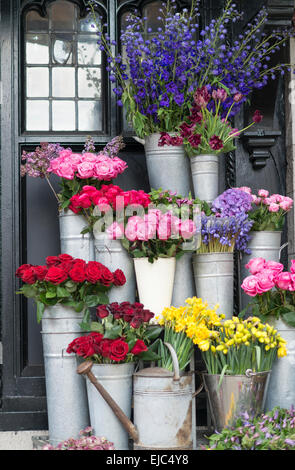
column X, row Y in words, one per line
column 249, row 285
column 265, row 282
column 292, row 269
column 284, row 281
column 275, row 267
column 65, row 170
column 104, row 170
column 273, row 207
column 85, row 170
column 255, row 265
column 263, row 193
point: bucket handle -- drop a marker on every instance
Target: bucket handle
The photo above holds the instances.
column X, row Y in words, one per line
column 175, row 361
column 281, row 249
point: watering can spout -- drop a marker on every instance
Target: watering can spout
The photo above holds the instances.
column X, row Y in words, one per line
column 138, row 139
column 85, row 369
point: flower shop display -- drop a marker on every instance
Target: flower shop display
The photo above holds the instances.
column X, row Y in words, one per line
column 64, row 289
column 154, row 240
column 225, row 229
column 118, row 339
column 268, row 214
column 86, row 441
column 273, row 430
column 272, row 291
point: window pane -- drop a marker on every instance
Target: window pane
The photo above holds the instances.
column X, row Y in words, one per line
column 63, row 82
column 87, row 24
column 90, row 115
column 37, row 48
column 37, row 115
column 35, row 22
column 151, row 11
column 62, row 16
column 88, row 51
column 38, row 82
column 63, row 116
column 62, row 47
column 89, row 82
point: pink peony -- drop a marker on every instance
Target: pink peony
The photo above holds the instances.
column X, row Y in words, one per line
column 255, row 265
column 273, row 207
column 249, row 285
column 265, row 282
column 246, row 189
column 275, row 267
column 187, row 229
column 263, row 193
column 286, row 204
column 284, row 281
column 115, row 231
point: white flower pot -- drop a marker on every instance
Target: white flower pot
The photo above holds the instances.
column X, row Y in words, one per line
column 155, row 283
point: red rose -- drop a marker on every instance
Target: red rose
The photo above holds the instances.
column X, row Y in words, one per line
column 118, row 350
column 139, row 347
column 40, row 272
column 64, row 258
column 29, row 276
column 77, row 273
column 66, row 266
column 104, row 347
column 136, row 322
column 93, row 272
column 147, row 315
column 19, row 272
column 119, row 278
column 56, row 275
column 102, row 311
column 106, row 277
column 52, row 261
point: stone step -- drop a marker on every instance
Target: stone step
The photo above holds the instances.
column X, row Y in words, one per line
column 22, row 440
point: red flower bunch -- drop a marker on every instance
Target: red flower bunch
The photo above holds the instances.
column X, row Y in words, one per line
column 108, row 197
column 135, row 314
column 104, row 350
column 64, row 267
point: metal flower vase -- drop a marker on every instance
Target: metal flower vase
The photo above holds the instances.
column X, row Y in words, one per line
column 155, row 283
column 232, row 395
column 281, row 391
column 72, row 241
column 263, row 244
column 168, row 166
column 117, row 381
column 214, row 280
column 205, row 176
column 66, row 396
column 112, row 254
column 184, row 284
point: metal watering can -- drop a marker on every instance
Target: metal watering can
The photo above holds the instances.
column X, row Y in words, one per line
column 162, row 406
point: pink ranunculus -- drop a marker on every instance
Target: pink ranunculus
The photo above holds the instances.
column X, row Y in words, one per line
column 255, row 265
column 263, row 193
column 115, row 231
column 249, row 285
column 284, row 281
column 292, row 269
column 265, row 282
column 187, row 229
column 85, row 170
column 273, row 207
column 275, row 267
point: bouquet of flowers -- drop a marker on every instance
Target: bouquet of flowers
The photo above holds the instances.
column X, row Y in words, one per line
column 86, row 441
column 182, row 329
column 75, row 169
column 68, row 281
column 121, row 334
column 157, row 80
column 205, row 131
column 268, row 211
column 272, row 289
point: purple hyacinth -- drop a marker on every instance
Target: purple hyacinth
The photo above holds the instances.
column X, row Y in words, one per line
column 232, row 202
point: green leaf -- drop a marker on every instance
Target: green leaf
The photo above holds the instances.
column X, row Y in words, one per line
column 149, row 356
column 289, row 318
column 40, row 311
column 96, row 326
column 113, row 332
column 153, row 332
column 28, row 291
column 79, row 306
column 51, row 293
column 62, row 292
column 221, row 376
column 92, row 300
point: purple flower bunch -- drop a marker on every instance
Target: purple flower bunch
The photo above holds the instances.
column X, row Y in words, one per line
column 37, row 162
column 224, row 234
column 156, row 74
column 232, row 202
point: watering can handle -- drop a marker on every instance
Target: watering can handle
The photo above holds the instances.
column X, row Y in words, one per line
column 174, row 360
column 281, row 249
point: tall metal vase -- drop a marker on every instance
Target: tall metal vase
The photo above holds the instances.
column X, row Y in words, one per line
column 281, row 391
column 72, row 241
column 66, row 396
column 117, row 380
column 168, row 166
column 263, row 244
column 184, row 284
column 214, row 280
column 205, row 176
column 112, row 254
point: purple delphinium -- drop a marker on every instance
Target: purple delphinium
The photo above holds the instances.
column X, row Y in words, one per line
column 37, row 162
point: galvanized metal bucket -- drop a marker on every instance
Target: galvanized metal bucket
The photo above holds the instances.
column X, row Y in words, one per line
column 205, row 176
column 112, row 254
column 184, row 284
column 66, row 396
column 232, row 395
column 117, row 381
column 263, row 244
column 155, row 282
column 72, row 241
column 281, row 390
column 214, row 280
column 168, row 166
